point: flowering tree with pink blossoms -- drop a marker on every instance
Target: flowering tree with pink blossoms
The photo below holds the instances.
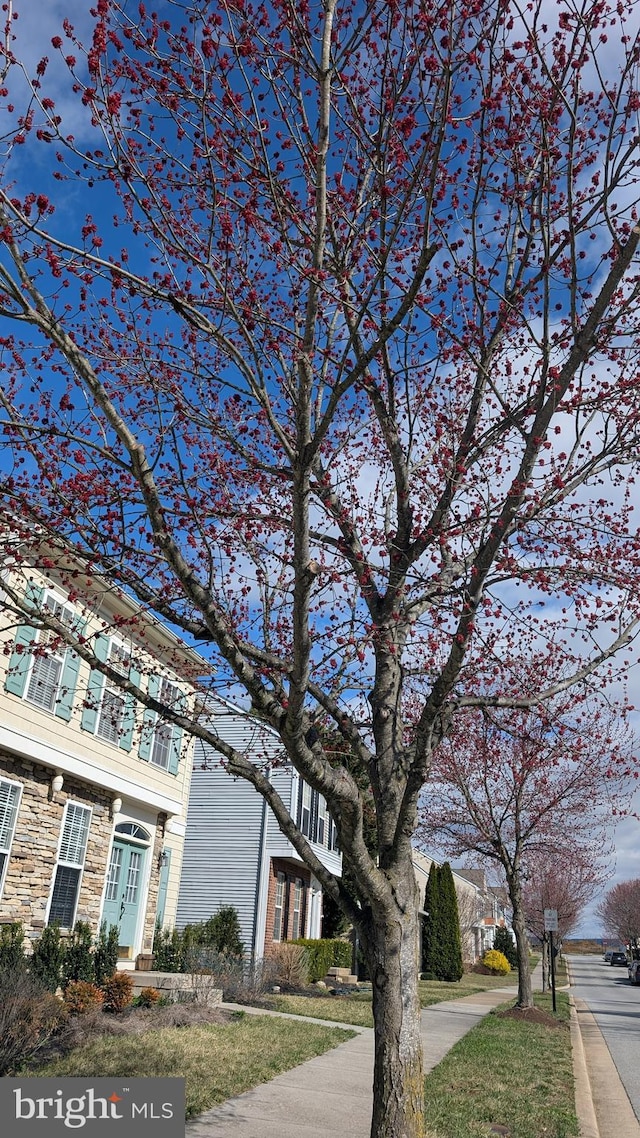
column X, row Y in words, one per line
column 319, row 332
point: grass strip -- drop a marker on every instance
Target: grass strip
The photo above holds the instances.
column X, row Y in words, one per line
column 507, row 1076
column 217, row 1061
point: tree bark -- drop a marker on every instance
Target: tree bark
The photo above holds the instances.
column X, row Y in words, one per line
column 525, row 989
column 390, row 944
column 545, row 964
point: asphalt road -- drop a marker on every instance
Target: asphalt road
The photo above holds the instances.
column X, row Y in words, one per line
column 615, row 1006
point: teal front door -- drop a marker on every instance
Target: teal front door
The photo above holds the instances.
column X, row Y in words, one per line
column 123, row 892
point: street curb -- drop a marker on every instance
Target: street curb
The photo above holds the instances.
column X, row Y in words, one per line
column 585, row 1110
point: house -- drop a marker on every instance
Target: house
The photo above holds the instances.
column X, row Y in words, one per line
column 480, row 908
column 93, row 788
column 494, row 906
column 234, row 852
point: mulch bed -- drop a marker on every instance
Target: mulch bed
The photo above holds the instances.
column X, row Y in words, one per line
column 530, row 1015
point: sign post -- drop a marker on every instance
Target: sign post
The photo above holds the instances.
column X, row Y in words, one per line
column 551, row 927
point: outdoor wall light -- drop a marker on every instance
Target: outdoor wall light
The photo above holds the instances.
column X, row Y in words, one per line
column 56, row 784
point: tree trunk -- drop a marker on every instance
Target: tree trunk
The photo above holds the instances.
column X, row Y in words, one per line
column 525, row 989
column 545, row 964
column 390, row 943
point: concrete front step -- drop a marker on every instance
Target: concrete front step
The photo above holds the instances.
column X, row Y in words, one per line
column 340, row 976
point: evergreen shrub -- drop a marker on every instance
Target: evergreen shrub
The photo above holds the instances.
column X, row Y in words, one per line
column 12, row 954
column 441, row 942
column 47, row 959
column 503, row 942
column 189, row 949
column 77, row 961
column 105, row 956
column 324, row 954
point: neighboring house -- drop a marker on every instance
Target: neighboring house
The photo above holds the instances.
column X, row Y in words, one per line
column 481, row 909
column 494, row 907
column 93, row 788
column 234, row 851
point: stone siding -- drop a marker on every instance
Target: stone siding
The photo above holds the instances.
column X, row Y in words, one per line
column 32, row 861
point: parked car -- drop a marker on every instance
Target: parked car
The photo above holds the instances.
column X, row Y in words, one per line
column 607, row 956
column 618, row 958
column 634, row 971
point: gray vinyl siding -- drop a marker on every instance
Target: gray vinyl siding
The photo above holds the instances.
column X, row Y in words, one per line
column 224, row 839
column 221, row 860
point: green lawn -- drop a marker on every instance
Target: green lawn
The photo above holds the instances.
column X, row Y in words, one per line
column 506, row 1073
column 217, row 1061
column 356, row 1008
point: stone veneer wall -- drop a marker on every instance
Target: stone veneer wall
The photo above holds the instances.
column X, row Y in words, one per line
column 32, row 860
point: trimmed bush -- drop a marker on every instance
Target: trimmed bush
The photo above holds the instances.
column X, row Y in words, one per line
column 496, row 962
column 48, row 956
column 82, row 996
column 325, row 954
column 118, row 992
column 29, row 1016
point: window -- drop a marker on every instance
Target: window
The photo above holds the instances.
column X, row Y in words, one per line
column 161, row 741
column 163, row 733
column 109, row 712
column 113, row 703
column 9, row 802
column 314, row 820
column 298, row 909
column 73, row 847
column 133, row 877
column 113, row 873
column 278, row 918
column 304, row 809
column 332, row 837
column 41, row 669
column 321, row 827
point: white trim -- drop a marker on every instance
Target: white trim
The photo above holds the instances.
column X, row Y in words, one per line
column 51, row 756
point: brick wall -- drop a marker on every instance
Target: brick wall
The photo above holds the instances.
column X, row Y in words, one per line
column 291, row 871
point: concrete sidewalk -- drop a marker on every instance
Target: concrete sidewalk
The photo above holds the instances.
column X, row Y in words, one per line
column 331, row 1094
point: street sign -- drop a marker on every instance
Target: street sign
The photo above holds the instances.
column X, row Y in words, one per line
column 551, row 920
